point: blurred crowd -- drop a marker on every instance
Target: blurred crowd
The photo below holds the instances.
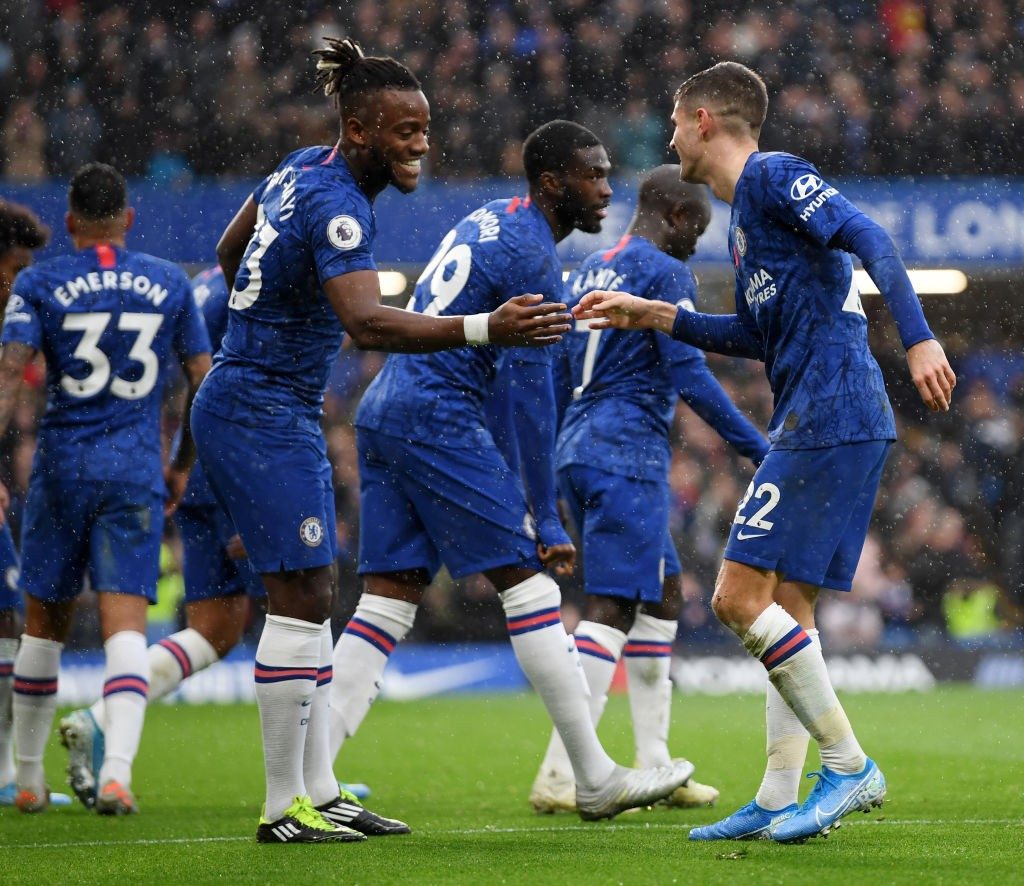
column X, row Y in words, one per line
column 185, row 88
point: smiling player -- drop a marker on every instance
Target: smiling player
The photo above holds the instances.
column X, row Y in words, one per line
column 298, row 256
column 801, row 525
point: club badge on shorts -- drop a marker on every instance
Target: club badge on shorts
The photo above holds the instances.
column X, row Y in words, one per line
column 311, row 532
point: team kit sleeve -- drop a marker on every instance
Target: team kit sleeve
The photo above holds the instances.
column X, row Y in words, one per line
column 797, row 195
column 532, row 396
column 696, row 384
column 22, row 321
column 735, row 335
column 340, row 232
column 190, row 335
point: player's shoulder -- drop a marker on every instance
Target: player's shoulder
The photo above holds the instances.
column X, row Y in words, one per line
column 211, row 277
column 43, row 273
column 209, row 283
column 786, row 174
column 153, row 264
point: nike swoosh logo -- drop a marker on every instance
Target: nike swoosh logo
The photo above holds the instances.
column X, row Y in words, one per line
column 306, row 704
column 744, row 536
column 436, row 680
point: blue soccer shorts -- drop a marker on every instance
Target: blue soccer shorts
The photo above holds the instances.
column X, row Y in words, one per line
column 275, row 484
column 805, row 514
column 10, row 570
column 207, row 569
column 112, row 530
column 422, row 505
column 620, row 521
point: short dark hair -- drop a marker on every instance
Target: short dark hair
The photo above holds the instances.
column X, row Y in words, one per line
column 730, row 90
column 19, row 226
column 347, row 74
column 550, row 147
column 98, row 192
column 662, row 188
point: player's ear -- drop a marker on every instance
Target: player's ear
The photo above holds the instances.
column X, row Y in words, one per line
column 705, row 122
column 354, row 131
column 551, row 183
column 675, row 215
column 129, row 217
column 69, row 223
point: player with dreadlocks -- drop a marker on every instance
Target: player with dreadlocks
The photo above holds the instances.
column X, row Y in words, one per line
column 299, row 258
column 20, row 233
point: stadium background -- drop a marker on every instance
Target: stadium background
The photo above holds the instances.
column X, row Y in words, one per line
column 915, row 109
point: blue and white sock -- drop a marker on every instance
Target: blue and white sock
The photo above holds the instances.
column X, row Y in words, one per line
column 125, row 693
column 648, row 657
column 377, row 627
column 8, row 649
column 547, row 656
column 599, row 647
column 35, row 701
column 797, row 669
column 287, row 666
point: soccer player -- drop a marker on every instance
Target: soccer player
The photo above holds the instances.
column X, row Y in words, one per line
column 802, row 522
column 217, row 581
column 218, row 586
column 434, row 487
column 613, row 459
column 107, row 320
column 298, row 256
column 20, row 233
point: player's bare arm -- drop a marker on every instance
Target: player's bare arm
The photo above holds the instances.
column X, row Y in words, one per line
column 932, row 375
column 233, row 242
column 525, row 320
column 620, row 310
column 177, row 472
column 14, row 357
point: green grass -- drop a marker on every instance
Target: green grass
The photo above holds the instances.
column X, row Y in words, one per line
column 459, row 769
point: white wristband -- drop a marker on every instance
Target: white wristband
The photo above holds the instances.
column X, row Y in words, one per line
column 475, row 328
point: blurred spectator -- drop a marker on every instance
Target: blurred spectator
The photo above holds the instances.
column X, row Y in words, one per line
column 942, row 80
column 24, row 144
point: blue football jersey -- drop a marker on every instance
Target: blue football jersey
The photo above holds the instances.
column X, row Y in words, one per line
column 624, row 384
column 503, row 249
column 108, row 321
column 210, row 290
column 798, row 295
column 313, row 223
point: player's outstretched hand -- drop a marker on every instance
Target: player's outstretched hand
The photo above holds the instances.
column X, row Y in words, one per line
column 620, row 310
column 560, row 559
column 932, row 375
column 176, row 481
column 527, row 320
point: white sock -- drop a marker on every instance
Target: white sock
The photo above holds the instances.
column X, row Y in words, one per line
column 287, row 663
column 8, row 649
column 787, row 749
column 378, row 625
column 125, row 690
column 317, row 768
column 600, row 647
column 171, row 660
column 547, row 656
column 35, row 701
column 648, row 657
column 797, row 669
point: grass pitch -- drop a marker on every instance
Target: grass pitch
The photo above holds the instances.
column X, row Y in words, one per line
column 459, row 769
